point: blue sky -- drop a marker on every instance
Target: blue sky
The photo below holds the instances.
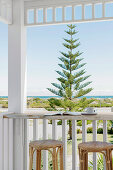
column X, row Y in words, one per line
column 43, row 46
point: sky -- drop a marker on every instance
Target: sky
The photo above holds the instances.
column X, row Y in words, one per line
column 44, row 44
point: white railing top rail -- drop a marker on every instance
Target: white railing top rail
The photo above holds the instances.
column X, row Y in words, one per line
column 41, row 115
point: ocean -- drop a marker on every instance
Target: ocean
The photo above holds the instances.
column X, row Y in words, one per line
column 47, row 97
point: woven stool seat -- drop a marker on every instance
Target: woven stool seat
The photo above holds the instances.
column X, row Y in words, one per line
column 45, row 144
column 53, row 146
column 96, row 146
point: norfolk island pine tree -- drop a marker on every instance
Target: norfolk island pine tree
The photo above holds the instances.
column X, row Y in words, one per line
column 72, row 79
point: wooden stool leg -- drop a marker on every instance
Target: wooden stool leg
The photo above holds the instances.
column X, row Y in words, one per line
column 80, row 163
column 61, row 159
column 86, row 161
column 30, row 158
column 54, row 158
column 81, row 159
column 38, row 160
column 57, row 152
column 111, row 165
column 108, row 160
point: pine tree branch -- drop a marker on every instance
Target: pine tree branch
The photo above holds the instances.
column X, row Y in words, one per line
column 62, row 80
column 61, row 74
column 70, row 32
column 71, row 46
column 64, row 60
column 79, row 87
column 57, row 86
column 71, row 26
column 71, row 41
column 53, row 91
column 62, row 66
column 81, row 79
column 80, row 73
column 83, row 92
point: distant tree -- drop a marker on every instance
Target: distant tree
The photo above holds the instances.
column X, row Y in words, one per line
column 72, row 80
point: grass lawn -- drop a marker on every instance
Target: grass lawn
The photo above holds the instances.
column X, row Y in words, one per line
column 89, row 138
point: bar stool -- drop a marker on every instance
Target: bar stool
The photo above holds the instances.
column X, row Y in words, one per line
column 53, row 146
column 102, row 147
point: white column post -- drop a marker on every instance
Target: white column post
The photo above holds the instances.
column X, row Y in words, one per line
column 16, row 79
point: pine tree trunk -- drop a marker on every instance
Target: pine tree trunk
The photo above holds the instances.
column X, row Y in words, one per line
column 70, row 130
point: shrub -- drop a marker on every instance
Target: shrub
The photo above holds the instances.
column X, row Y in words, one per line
column 79, row 122
column 100, row 131
column 110, row 131
column 89, row 130
column 79, row 131
column 59, row 122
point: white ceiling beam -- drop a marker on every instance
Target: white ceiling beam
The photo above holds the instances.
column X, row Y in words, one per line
column 57, row 3
column 6, row 11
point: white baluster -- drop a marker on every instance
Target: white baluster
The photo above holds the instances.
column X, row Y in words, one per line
column 54, row 129
column 6, row 144
column 45, row 136
column 35, row 129
column 10, row 144
column 94, row 139
column 26, row 144
column 104, row 137
column 1, row 143
column 84, row 131
column 74, row 145
column 105, row 130
column 64, row 139
column 35, row 137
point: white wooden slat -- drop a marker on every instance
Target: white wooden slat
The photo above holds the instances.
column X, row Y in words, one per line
column 104, row 137
column 103, row 9
column 6, row 144
column 105, row 130
column 94, row 139
column 64, row 139
column 10, row 144
column 63, row 13
column 45, row 136
column 1, row 144
column 35, row 18
column 35, row 137
column 54, row 14
column 74, row 145
column 54, row 129
column 26, row 144
column 83, row 12
column 44, row 15
column 93, row 11
column 35, row 129
column 73, row 13
column 84, row 131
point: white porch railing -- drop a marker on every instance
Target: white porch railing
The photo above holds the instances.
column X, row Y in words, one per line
column 36, row 129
